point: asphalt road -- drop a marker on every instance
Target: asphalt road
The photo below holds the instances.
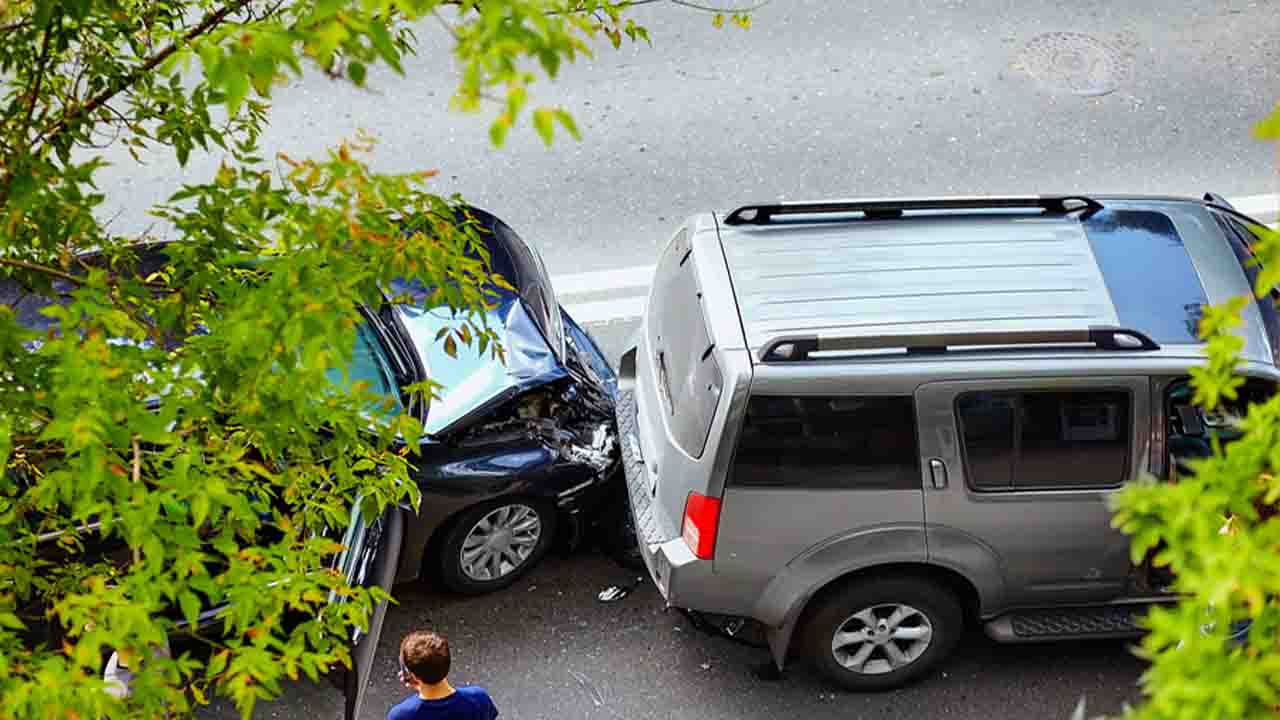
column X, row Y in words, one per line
column 545, row 648
column 818, row 99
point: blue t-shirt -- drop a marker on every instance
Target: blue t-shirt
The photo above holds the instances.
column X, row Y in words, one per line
column 466, row 703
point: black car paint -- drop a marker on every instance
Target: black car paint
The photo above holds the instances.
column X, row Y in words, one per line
column 464, row 466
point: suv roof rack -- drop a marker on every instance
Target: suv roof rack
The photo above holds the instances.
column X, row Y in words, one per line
column 763, row 214
column 799, row 347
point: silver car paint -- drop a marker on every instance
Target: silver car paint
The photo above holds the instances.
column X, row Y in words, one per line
column 1018, row 532
column 774, row 553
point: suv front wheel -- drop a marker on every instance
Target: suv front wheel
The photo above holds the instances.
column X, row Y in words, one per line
column 883, row 633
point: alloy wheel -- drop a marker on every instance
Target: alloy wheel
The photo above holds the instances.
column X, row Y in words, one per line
column 881, row 639
column 500, row 542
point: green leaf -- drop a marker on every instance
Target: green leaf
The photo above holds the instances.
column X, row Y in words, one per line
column 544, row 123
column 1269, row 127
column 6, row 440
column 567, row 122
column 190, row 605
column 498, row 132
column 237, row 88
column 356, row 72
column 200, row 508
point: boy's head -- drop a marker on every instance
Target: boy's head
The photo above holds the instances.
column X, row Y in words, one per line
column 425, row 655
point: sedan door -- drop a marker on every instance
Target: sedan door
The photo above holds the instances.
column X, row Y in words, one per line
column 369, row 559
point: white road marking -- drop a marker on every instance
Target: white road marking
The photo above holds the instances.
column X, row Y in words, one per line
column 603, row 281
column 1263, row 208
column 603, row 311
column 627, row 288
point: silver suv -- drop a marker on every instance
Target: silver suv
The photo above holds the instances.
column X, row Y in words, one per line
column 864, row 424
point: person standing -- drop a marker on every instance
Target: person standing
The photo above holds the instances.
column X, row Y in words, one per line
column 424, row 668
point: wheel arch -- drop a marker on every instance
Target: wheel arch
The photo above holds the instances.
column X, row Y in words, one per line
column 965, row 590
column 436, row 553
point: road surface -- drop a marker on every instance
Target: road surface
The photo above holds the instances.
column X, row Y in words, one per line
column 547, row 650
column 818, row 99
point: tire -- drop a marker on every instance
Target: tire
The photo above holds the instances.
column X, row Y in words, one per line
column 524, row 519
column 616, row 533
column 927, row 627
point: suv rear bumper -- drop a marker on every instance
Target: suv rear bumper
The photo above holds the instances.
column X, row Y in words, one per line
column 672, row 565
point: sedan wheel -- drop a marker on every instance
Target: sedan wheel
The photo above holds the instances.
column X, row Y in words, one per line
column 490, row 546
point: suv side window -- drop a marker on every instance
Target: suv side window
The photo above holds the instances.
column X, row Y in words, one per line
column 838, row 443
column 1045, row 440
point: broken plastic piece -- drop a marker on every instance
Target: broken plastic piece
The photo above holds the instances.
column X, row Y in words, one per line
column 614, row 593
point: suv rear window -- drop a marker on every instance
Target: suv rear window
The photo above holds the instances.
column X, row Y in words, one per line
column 1050, row 440
column 846, row 443
column 689, row 380
column 1148, row 273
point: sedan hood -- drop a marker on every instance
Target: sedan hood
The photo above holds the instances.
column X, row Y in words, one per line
column 473, row 382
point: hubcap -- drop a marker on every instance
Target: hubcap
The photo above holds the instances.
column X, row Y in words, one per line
column 501, row 542
column 881, row 639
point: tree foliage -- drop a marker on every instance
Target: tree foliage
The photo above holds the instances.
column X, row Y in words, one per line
column 184, row 410
column 1218, row 532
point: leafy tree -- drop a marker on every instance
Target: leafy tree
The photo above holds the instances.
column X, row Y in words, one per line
column 179, row 408
column 1218, row 532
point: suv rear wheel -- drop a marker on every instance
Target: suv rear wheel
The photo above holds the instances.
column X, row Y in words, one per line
column 883, row 633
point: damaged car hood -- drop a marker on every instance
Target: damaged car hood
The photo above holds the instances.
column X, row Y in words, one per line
column 473, row 382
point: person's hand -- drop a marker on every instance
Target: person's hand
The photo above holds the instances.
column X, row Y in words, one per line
column 406, row 679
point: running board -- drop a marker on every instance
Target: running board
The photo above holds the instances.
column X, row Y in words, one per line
column 1068, row 623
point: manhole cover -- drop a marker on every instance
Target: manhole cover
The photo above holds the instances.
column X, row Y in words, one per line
column 1078, row 63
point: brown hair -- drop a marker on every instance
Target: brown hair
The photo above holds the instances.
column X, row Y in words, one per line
column 426, row 655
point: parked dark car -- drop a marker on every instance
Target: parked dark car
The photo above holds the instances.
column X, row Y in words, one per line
column 513, row 452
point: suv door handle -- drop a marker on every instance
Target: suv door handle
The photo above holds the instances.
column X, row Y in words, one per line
column 938, row 474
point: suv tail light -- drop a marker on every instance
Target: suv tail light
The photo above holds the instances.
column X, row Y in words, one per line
column 701, row 519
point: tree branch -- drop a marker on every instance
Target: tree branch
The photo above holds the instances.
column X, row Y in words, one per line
column 40, row 65
column 210, row 21
column 34, row 267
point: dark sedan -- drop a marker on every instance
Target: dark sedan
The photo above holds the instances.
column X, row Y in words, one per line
column 513, row 451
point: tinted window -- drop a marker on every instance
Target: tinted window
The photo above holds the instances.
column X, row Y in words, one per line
column 1148, row 273
column 1045, row 440
column 1241, row 238
column 987, row 422
column 689, row 379
column 856, row 443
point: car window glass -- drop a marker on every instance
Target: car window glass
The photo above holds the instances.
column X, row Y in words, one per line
column 1191, row 431
column 829, row 442
column 1149, row 274
column 1045, row 440
column 369, row 365
column 987, row 424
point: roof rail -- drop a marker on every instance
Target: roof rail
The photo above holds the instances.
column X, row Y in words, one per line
column 763, row 214
column 799, row 347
